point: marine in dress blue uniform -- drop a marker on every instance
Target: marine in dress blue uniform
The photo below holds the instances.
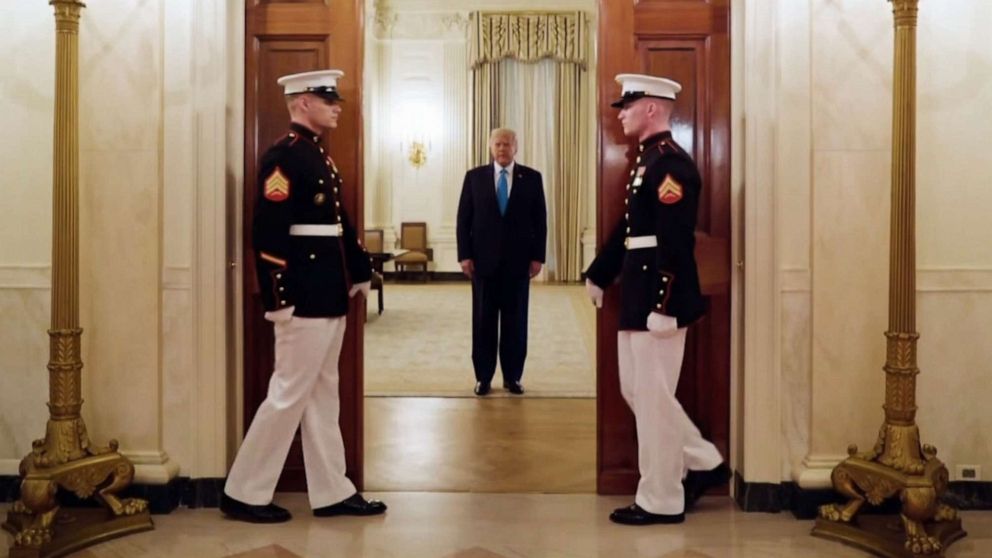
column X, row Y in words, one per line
column 309, row 263
column 651, row 252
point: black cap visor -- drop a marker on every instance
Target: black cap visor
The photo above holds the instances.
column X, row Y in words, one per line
column 631, row 96
column 326, row 93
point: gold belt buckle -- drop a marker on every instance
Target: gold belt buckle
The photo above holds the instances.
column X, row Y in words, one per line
column 626, row 242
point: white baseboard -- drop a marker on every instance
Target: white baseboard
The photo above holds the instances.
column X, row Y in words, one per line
column 815, row 470
column 8, row 467
column 152, row 467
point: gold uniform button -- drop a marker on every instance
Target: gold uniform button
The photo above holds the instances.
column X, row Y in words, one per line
column 626, row 216
column 337, row 204
column 316, row 139
column 657, row 306
column 628, row 230
column 320, row 181
column 626, row 201
column 313, row 256
column 282, row 302
column 281, row 289
column 319, row 198
column 640, row 148
column 661, row 292
column 638, row 159
column 664, row 279
column 292, row 135
column 278, row 275
column 632, row 173
column 644, row 268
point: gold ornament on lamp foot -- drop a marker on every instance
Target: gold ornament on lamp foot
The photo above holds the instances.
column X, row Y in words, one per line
column 898, row 464
column 65, row 459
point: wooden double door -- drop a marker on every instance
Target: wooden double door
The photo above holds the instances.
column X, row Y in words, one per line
column 682, row 39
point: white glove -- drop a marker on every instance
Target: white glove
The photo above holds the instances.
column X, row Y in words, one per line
column 364, row 287
column 595, row 293
column 281, row 315
column 662, row 325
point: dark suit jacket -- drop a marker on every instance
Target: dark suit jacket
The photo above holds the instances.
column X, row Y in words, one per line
column 502, row 243
column 299, row 184
column 662, row 201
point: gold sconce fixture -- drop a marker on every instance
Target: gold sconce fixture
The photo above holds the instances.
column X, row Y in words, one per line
column 417, row 154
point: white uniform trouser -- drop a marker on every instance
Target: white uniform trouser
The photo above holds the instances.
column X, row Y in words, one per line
column 303, row 391
column 668, row 443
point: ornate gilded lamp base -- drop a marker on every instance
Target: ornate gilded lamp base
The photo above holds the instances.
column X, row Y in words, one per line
column 64, row 458
column 925, row 526
column 883, row 535
column 42, row 529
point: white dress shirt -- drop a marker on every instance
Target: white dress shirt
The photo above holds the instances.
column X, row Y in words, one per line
column 509, row 176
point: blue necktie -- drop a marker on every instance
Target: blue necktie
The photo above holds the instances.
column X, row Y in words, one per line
column 502, row 194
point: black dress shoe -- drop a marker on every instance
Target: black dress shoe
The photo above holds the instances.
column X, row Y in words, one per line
column 636, row 515
column 515, row 388
column 482, row 388
column 353, row 505
column 696, row 483
column 269, row 513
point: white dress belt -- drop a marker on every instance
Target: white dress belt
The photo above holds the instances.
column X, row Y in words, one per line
column 315, row 230
column 635, row 242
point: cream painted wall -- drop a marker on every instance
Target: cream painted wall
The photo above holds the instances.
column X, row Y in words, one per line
column 26, row 98
column 417, row 57
column 153, row 262
column 817, row 77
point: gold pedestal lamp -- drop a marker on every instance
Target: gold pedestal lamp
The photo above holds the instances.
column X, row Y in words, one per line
column 64, row 459
column 897, row 465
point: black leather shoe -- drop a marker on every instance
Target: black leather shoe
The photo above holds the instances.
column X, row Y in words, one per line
column 269, row 513
column 515, row 388
column 353, row 505
column 696, row 483
column 636, row 515
column 482, row 388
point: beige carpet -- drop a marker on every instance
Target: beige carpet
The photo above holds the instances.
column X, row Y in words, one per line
column 422, row 343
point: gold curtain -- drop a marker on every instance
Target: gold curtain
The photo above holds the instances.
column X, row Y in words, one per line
column 486, row 113
column 571, row 162
column 529, row 38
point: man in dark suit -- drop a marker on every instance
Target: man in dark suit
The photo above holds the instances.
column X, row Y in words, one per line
column 502, row 233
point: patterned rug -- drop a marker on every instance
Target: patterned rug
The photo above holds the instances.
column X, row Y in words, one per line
column 422, row 343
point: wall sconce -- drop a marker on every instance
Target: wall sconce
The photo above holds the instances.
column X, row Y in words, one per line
column 419, row 121
column 417, row 154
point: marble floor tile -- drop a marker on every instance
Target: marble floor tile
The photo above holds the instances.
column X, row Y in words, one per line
column 461, row 525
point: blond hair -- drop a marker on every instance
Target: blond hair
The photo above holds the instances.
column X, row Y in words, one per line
column 498, row 132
